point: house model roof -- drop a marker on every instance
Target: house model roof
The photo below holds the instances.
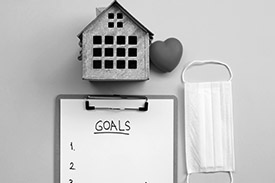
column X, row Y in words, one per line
column 115, row 3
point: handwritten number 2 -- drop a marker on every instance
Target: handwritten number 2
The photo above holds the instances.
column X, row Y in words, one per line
column 72, row 166
column 71, row 181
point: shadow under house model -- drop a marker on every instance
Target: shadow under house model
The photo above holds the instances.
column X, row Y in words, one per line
column 115, row 46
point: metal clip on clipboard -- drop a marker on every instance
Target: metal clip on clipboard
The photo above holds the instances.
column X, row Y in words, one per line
column 130, row 97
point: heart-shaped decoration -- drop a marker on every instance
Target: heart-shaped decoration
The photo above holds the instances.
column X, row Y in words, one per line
column 166, row 55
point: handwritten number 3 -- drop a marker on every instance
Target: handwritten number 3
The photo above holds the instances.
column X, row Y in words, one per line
column 72, row 166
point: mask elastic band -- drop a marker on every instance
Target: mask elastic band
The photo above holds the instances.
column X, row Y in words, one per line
column 231, row 177
column 202, row 62
column 187, row 178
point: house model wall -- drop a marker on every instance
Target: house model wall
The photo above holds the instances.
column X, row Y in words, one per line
column 115, row 46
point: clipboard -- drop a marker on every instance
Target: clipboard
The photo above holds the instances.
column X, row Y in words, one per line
column 116, row 138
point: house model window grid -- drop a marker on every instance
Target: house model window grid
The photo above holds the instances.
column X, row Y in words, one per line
column 115, row 46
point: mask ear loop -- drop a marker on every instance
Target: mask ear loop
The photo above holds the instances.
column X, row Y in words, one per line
column 187, row 178
column 231, row 177
column 202, row 62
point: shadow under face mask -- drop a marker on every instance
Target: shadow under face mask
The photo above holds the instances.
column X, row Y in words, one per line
column 209, row 140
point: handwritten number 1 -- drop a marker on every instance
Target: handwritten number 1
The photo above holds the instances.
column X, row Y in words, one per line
column 72, row 147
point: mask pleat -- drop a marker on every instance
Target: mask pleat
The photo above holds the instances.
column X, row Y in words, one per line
column 192, row 115
column 229, row 123
column 217, row 124
column 206, row 124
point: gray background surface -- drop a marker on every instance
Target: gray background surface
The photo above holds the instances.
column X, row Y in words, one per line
column 38, row 52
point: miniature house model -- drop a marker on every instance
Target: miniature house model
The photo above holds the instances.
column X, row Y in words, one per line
column 115, row 46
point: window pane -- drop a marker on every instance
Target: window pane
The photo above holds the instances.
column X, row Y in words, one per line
column 109, row 52
column 97, row 52
column 132, row 40
column 120, row 52
column 119, row 24
column 97, row 40
column 109, row 40
column 109, row 64
column 111, row 16
column 120, row 39
column 119, row 16
column 132, row 52
column 120, row 64
column 132, row 64
column 111, row 24
column 97, row 64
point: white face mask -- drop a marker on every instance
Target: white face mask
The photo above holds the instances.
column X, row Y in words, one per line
column 209, row 125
